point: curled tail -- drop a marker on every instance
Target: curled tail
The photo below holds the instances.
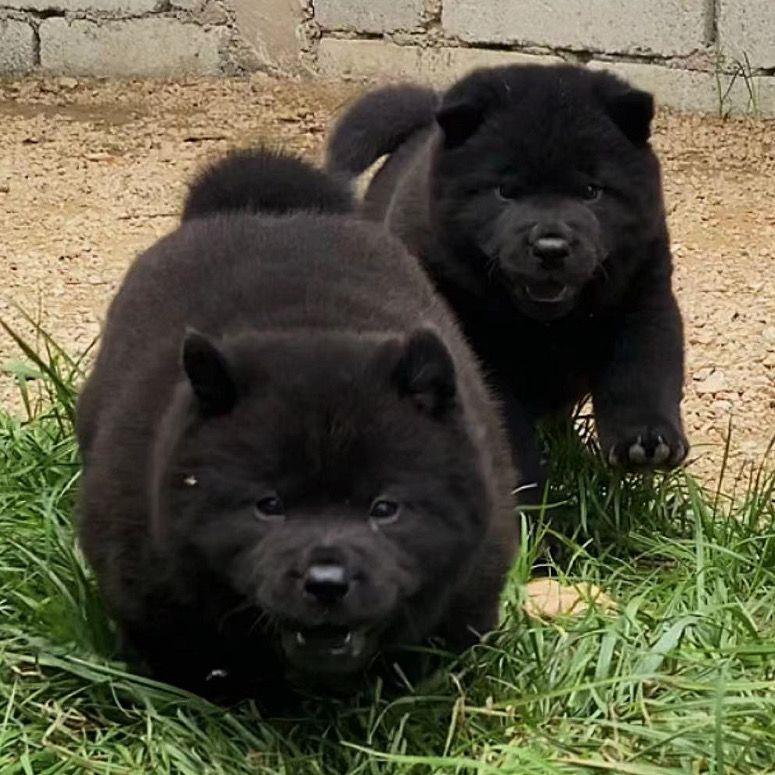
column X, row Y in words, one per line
column 260, row 180
column 376, row 125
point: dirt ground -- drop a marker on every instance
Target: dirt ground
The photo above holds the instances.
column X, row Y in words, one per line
column 92, row 172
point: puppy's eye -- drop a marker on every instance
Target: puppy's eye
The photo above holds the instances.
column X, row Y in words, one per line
column 385, row 512
column 270, row 509
column 591, row 192
column 506, row 192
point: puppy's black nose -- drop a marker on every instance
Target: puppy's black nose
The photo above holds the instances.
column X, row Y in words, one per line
column 327, row 582
column 551, row 251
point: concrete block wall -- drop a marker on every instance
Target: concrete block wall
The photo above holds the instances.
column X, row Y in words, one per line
column 714, row 56
column 121, row 37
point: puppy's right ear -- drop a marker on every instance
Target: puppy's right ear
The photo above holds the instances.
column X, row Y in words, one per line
column 425, row 373
column 209, row 374
column 632, row 110
column 459, row 119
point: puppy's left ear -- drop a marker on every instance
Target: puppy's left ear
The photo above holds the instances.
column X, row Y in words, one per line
column 209, row 374
column 632, row 110
column 425, row 373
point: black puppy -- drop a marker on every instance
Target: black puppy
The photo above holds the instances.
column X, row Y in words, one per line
column 291, row 461
column 533, row 200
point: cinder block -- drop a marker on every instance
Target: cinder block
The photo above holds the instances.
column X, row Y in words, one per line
column 682, row 89
column 17, row 46
column 188, row 5
column 697, row 91
column 125, row 7
column 369, row 15
column 372, row 59
column 140, row 47
column 757, row 97
column 746, row 29
column 380, row 60
column 665, row 27
column 271, row 29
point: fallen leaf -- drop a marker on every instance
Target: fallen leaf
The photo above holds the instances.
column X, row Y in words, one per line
column 548, row 599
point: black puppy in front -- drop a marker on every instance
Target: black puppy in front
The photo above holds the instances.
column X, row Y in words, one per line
column 533, row 199
column 292, row 464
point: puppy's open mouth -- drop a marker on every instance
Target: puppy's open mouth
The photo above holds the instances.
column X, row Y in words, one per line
column 328, row 648
column 546, row 291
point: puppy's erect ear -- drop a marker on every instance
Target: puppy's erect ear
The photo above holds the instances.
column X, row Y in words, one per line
column 209, row 374
column 459, row 119
column 632, row 110
column 426, row 374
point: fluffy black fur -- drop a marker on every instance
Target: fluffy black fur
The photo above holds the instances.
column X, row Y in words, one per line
column 292, row 465
column 264, row 181
column 533, row 199
column 361, row 138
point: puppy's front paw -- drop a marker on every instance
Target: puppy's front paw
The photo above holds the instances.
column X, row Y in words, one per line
column 646, row 447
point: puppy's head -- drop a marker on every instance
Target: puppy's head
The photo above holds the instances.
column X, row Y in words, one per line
column 328, row 481
column 544, row 176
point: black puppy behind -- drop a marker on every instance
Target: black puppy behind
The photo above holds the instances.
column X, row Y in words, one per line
column 533, row 199
column 292, row 464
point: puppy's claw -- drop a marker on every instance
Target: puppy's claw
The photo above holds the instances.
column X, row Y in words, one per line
column 217, row 673
column 661, row 451
column 638, row 452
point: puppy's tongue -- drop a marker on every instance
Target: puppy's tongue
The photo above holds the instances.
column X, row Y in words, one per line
column 546, row 291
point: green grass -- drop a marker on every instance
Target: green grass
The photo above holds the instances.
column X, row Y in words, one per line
column 679, row 679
